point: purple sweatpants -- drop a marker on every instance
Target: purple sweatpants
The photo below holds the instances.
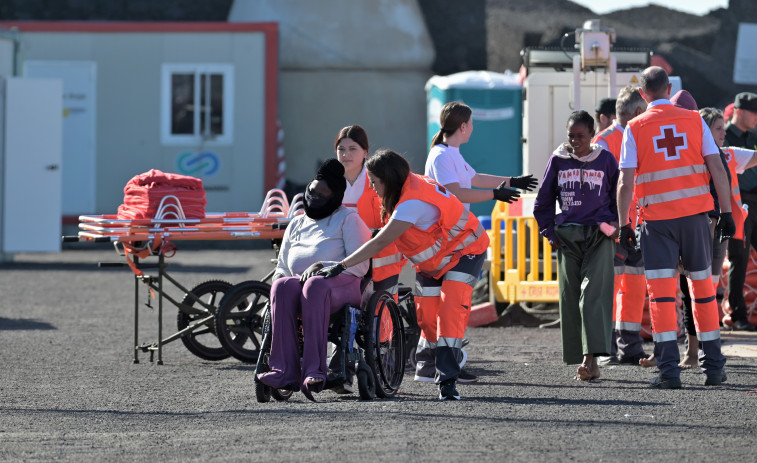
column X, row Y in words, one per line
column 314, row 302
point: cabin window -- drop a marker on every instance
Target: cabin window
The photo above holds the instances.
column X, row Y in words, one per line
column 197, row 104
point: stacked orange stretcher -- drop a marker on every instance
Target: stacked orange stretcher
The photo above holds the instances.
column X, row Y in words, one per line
column 149, row 236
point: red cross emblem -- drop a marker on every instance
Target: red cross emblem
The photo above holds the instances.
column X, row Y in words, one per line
column 670, row 142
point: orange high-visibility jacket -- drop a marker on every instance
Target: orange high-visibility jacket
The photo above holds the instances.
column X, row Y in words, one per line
column 672, row 180
column 738, row 213
column 457, row 233
column 389, row 261
column 614, row 139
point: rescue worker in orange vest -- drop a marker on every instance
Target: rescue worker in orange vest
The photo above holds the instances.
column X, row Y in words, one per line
column 630, row 286
column 351, row 146
column 444, row 241
column 670, row 152
column 740, row 133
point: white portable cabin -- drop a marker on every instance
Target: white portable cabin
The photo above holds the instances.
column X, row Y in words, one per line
column 198, row 99
column 562, row 81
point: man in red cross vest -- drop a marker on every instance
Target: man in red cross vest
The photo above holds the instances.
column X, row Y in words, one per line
column 671, row 153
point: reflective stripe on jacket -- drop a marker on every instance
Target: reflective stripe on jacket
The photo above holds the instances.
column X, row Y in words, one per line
column 457, row 233
column 737, row 211
column 388, row 261
column 672, row 179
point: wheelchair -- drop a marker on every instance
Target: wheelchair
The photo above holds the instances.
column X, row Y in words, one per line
column 371, row 336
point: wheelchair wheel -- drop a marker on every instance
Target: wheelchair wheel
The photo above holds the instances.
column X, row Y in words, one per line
column 385, row 353
column 239, row 319
column 202, row 341
column 264, row 393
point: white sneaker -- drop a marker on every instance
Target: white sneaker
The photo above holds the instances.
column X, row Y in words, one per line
column 423, row 379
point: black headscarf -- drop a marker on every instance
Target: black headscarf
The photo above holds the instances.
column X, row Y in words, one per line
column 331, row 172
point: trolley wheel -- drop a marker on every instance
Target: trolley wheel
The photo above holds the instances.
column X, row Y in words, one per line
column 239, row 319
column 202, row 341
column 385, row 354
column 365, row 383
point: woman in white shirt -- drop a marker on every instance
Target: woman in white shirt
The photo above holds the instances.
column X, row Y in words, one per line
column 447, row 166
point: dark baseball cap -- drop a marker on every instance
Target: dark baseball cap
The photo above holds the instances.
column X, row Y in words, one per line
column 746, row 100
column 606, row 106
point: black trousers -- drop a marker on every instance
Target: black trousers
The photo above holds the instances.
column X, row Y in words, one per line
column 738, row 255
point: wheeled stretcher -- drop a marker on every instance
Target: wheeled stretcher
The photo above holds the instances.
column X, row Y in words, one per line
column 138, row 239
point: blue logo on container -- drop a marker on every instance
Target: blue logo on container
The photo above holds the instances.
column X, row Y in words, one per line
column 204, row 164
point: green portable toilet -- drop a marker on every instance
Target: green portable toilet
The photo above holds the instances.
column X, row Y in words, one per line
column 497, row 103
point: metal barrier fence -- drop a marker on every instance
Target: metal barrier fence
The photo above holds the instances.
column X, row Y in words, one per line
column 519, row 270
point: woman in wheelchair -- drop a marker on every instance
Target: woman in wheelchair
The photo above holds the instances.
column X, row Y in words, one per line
column 446, row 244
column 327, row 232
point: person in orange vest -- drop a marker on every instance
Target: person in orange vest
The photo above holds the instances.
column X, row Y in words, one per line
column 582, row 178
column 738, row 160
column 740, row 133
column 630, row 287
column 445, row 243
column 667, row 153
column 446, row 165
column 351, row 146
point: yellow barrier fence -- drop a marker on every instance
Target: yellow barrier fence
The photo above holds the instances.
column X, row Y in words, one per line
column 530, row 277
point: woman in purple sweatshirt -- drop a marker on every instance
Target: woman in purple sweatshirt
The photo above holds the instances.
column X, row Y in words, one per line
column 582, row 178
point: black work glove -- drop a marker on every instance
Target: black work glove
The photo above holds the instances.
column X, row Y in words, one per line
column 627, row 238
column 524, row 182
column 334, row 270
column 555, row 243
column 505, row 194
column 726, row 227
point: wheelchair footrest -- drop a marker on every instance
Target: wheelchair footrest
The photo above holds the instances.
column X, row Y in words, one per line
column 333, row 382
column 147, row 347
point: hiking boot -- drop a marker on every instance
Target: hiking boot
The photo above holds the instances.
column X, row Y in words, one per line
column 665, row 383
column 715, row 379
column 448, row 391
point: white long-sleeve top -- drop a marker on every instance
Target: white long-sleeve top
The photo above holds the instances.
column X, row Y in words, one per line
column 328, row 240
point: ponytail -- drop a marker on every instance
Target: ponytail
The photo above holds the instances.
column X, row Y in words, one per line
column 438, row 138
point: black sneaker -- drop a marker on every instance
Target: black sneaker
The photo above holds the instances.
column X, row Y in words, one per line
column 466, row 377
column 742, row 325
column 447, row 390
column 715, row 379
column 662, row 383
column 607, row 360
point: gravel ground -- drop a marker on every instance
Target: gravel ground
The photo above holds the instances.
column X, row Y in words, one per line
column 70, row 391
